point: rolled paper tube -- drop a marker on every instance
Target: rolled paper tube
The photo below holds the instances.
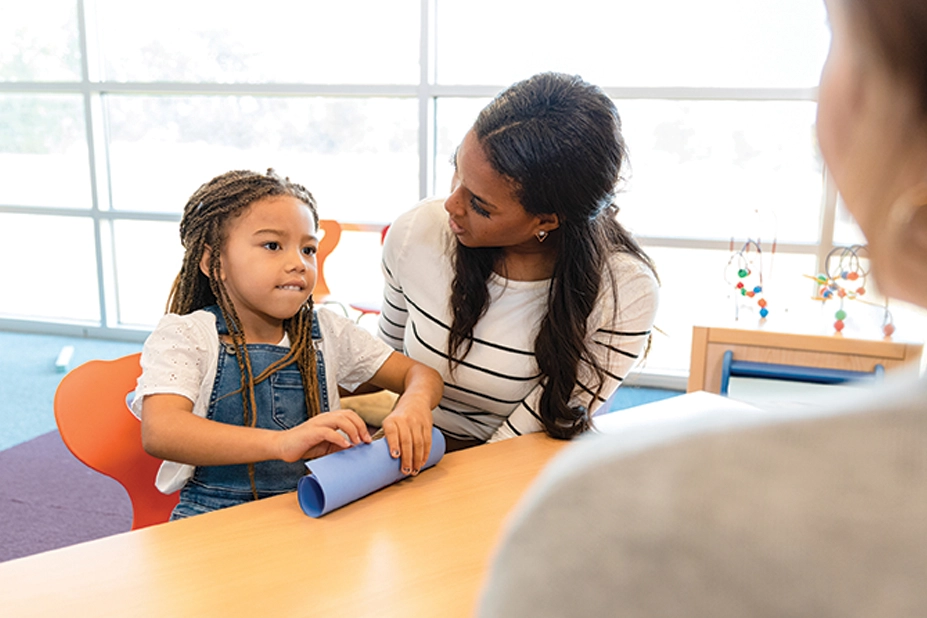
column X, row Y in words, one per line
column 343, row 477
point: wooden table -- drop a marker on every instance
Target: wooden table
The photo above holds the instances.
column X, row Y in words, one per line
column 417, row 548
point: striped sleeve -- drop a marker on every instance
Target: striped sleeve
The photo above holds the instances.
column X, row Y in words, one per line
column 394, row 313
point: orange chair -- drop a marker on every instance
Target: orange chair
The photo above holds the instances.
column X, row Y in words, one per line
column 331, row 235
column 98, row 428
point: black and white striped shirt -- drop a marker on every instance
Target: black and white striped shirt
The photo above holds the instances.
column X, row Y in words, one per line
column 494, row 393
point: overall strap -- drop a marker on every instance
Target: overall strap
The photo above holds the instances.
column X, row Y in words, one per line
column 222, row 329
column 319, row 362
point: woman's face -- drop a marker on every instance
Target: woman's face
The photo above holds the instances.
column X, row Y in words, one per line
column 483, row 208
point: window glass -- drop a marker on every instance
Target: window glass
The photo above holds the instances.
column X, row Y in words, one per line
column 56, row 274
column 671, row 43
column 696, row 289
column 846, row 231
column 722, row 169
column 358, row 156
column 454, row 117
column 147, row 258
column 43, row 151
column 39, row 41
column 274, row 41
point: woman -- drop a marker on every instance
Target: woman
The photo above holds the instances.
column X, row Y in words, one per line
column 826, row 516
column 521, row 287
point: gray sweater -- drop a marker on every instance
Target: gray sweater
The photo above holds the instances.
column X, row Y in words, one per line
column 822, row 516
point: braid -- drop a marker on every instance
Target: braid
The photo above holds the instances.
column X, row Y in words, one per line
column 202, row 229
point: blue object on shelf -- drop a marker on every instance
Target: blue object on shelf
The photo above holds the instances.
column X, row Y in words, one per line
column 792, row 373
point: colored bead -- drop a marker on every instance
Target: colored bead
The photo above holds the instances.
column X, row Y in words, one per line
column 853, row 276
column 821, row 278
column 841, row 292
column 844, row 275
column 742, row 273
column 761, row 302
column 841, row 314
column 860, row 291
column 764, row 312
column 757, row 290
column 743, row 291
column 751, row 293
column 740, row 284
column 827, row 293
column 888, row 329
column 838, row 325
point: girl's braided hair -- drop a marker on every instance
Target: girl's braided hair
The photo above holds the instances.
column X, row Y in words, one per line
column 203, row 228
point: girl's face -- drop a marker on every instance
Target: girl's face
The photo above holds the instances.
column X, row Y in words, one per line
column 483, row 207
column 269, row 265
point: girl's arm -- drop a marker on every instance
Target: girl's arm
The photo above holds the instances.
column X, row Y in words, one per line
column 408, row 426
column 171, row 431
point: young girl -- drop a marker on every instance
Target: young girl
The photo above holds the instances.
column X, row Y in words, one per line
column 237, row 375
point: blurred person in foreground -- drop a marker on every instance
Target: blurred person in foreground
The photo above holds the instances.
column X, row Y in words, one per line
column 820, row 516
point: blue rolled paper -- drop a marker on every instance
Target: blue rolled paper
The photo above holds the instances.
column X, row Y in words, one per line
column 343, row 477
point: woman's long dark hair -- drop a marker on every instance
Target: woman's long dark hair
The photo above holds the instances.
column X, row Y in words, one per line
column 559, row 140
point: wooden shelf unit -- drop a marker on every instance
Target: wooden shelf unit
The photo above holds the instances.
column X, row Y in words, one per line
column 709, row 345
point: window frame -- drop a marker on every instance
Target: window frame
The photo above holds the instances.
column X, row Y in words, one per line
column 427, row 92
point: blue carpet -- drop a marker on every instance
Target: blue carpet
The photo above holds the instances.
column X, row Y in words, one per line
column 630, row 396
column 28, row 379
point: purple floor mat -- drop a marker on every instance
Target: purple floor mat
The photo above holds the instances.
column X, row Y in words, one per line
column 49, row 499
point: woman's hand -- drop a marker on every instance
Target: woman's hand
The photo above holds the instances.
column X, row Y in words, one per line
column 320, row 435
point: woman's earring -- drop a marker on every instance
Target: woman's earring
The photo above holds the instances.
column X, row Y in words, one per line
column 541, row 235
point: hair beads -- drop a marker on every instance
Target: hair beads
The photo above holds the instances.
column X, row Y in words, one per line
column 749, row 277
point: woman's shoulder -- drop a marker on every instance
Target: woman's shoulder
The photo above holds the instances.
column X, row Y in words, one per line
column 626, row 268
column 419, row 239
column 423, row 219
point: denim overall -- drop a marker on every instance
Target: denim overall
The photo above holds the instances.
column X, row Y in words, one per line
column 280, row 405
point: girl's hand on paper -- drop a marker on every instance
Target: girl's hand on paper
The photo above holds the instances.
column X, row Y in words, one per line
column 408, row 426
column 323, row 434
column 408, row 433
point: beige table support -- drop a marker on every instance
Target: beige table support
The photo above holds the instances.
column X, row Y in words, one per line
column 417, row 548
column 831, row 352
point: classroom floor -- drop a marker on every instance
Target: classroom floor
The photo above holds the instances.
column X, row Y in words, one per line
column 29, row 377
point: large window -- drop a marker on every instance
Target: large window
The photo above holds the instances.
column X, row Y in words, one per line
column 112, row 113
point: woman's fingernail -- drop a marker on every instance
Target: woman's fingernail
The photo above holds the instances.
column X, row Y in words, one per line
column 395, row 453
column 406, row 470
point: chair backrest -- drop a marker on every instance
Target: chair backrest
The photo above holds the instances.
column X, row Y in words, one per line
column 331, row 235
column 100, row 430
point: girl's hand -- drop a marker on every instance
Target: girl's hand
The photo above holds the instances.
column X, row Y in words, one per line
column 408, row 433
column 408, row 426
column 320, row 436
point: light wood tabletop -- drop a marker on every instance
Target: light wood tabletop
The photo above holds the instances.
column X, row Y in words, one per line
column 420, row 547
